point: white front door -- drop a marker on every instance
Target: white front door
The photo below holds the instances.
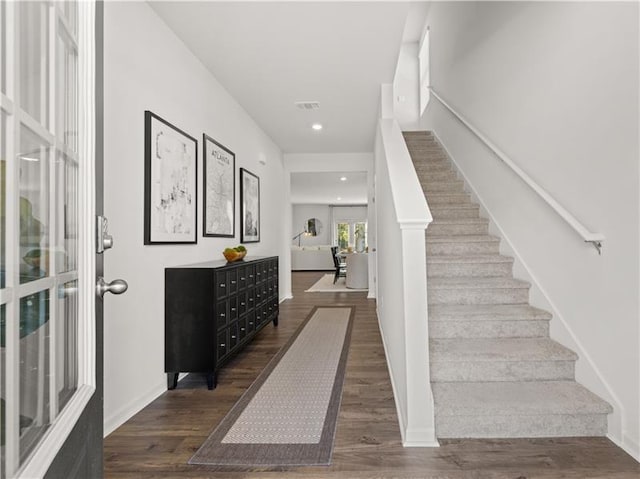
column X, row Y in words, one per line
column 48, row 374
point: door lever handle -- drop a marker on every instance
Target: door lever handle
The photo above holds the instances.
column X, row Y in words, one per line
column 117, row 286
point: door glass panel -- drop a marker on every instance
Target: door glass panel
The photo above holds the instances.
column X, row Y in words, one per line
column 34, row 59
column 3, row 47
column 3, row 195
column 66, row 92
column 34, row 206
column 66, row 251
column 66, row 347
column 34, row 370
column 3, row 313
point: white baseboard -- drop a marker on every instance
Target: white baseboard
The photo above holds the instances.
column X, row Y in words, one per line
column 126, row 412
column 628, row 445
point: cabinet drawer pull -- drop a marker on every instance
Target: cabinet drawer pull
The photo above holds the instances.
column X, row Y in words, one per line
column 233, row 309
column 250, row 276
column 233, row 282
column 251, row 300
column 233, row 337
column 242, row 278
column 222, row 285
column 242, row 329
column 222, row 345
column 250, row 323
column 242, row 304
column 222, row 315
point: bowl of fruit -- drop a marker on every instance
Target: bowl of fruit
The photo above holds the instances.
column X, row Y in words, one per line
column 235, row 254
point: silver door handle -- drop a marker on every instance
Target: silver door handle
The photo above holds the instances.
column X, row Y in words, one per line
column 117, row 286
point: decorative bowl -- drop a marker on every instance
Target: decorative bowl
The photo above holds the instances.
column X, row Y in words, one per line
column 232, row 256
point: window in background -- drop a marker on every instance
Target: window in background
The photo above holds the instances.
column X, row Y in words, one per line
column 343, row 235
column 352, row 234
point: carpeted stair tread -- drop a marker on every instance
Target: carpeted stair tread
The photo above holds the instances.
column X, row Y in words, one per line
column 458, row 221
column 476, row 283
column 503, row 349
column 487, row 312
column 463, row 239
column 484, row 258
column 516, row 398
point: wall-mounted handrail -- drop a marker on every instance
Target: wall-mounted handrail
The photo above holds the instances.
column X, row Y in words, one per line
column 595, row 239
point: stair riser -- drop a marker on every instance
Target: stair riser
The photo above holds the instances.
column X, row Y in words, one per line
column 428, row 165
column 437, row 200
column 488, row 329
column 427, row 174
column 440, row 229
column 494, row 371
column 477, row 247
column 452, row 187
column 454, row 213
column 476, row 270
column 558, row 425
column 478, row 296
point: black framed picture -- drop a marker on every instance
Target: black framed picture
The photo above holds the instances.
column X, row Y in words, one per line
column 249, row 207
column 219, row 189
column 170, row 183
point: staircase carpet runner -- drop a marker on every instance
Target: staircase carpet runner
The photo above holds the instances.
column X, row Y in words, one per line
column 288, row 415
column 495, row 371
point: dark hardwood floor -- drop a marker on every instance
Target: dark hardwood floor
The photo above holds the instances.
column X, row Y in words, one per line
column 158, row 441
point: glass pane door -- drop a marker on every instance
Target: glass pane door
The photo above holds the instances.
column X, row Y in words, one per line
column 39, row 223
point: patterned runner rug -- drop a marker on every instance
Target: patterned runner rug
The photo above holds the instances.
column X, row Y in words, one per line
column 288, row 415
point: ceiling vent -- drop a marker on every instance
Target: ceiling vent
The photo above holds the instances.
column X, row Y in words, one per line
column 308, row 105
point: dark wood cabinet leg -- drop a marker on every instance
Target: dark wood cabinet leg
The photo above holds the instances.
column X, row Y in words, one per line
column 172, row 380
column 212, row 380
column 275, row 321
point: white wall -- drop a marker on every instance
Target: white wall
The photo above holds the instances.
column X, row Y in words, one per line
column 147, row 67
column 406, row 88
column 555, row 86
column 300, row 215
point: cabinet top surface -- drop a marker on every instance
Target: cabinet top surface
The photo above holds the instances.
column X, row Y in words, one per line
column 222, row 263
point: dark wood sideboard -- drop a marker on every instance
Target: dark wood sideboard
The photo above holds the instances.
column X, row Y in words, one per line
column 213, row 309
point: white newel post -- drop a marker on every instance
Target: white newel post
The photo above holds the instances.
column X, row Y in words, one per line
column 420, row 430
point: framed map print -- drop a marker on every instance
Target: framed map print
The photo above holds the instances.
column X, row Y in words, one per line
column 219, row 189
column 250, row 207
column 170, row 188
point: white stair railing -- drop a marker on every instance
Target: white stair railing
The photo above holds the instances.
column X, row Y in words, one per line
column 595, row 239
column 402, row 216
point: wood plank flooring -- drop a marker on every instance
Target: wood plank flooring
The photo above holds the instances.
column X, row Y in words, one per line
column 158, row 441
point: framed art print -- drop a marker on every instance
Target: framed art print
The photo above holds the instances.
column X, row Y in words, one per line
column 170, row 189
column 219, row 189
column 250, row 207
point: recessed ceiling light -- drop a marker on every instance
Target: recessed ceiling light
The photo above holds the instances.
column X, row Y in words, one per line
column 338, row 198
column 343, row 178
column 316, row 126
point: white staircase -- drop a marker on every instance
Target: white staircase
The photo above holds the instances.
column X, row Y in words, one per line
column 494, row 370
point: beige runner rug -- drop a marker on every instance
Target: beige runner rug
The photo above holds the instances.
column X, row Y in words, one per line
column 288, row 415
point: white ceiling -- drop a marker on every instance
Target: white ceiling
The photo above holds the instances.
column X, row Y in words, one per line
column 326, row 188
column 270, row 54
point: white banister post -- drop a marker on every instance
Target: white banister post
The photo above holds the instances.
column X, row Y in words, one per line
column 420, row 430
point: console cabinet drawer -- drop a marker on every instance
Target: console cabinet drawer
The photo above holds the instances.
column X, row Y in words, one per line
column 213, row 309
